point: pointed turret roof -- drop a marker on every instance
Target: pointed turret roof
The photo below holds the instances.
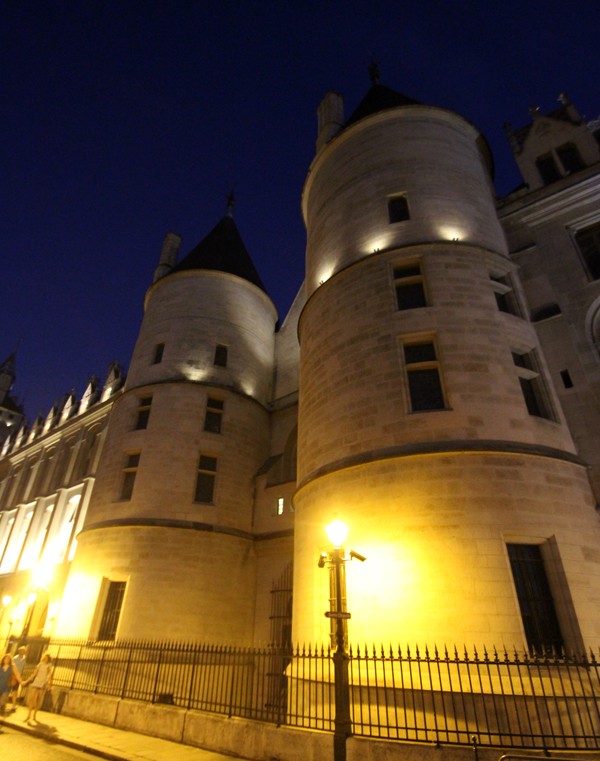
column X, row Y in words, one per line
column 223, row 250
column 379, row 98
column 8, row 366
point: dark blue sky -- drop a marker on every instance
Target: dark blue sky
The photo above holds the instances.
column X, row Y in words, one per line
column 122, row 120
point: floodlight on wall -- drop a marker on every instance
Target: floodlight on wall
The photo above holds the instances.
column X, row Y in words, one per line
column 6, row 600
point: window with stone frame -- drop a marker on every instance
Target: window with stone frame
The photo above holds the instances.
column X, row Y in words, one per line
column 398, row 209
column 506, row 299
column 205, row 480
column 129, row 474
column 158, row 353
column 536, row 604
column 588, row 245
column 534, row 391
column 115, row 592
column 423, row 374
column 213, row 417
column 410, row 289
column 143, row 413
column 220, row 359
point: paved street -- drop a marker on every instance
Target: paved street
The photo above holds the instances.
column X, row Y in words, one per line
column 17, row 746
column 54, row 735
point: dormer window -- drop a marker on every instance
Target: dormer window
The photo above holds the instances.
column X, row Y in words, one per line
column 570, row 158
column 548, row 170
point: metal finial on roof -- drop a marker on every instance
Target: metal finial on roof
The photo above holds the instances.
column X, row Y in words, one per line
column 374, row 72
column 230, row 202
column 534, row 110
column 564, row 99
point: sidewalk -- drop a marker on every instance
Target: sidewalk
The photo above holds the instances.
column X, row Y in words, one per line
column 106, row 742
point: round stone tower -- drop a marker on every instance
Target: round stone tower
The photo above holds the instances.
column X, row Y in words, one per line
column 168, row 526
column 428, row 422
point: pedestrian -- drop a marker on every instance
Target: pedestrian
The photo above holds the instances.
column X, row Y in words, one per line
column 8, row 676
column 41, row 680
column 19, row 663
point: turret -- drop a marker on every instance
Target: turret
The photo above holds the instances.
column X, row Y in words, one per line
column 427, row 418
column 174, row 492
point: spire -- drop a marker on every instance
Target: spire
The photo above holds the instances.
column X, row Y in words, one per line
column 374, row 73
column 222, row 250
column 379, row 98
column 230, row 202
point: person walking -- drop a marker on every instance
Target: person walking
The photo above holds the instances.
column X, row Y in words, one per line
column 41, row 680
column 8, row 676
column 19, row 663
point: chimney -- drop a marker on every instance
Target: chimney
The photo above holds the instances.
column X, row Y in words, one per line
column 331, row 117
column 168, row 256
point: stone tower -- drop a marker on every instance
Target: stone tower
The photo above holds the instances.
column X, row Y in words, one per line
column 167, row 540
column 428, row 421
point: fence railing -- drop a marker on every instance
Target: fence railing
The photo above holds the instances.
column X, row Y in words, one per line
column 504, row 700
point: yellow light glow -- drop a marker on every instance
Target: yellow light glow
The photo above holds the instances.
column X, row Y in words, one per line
column 449, row 232
column 31, row 598
column 325, row 273
column 6, row 600
column 42, row 574
column 193, row 373
column 336, row 532
column 375, row 245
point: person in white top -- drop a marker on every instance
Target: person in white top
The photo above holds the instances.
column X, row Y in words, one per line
column 19, row 663
column 41, row 680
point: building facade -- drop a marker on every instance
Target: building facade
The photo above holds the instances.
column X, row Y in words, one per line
column 434, row 385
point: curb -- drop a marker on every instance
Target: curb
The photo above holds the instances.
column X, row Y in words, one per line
column 57, row 740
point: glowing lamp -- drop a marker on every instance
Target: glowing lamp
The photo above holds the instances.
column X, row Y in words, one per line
column 42, row 574
column 336, row 533
column 32, row 598
column 6, row 600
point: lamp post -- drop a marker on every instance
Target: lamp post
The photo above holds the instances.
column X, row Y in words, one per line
column 336, row 533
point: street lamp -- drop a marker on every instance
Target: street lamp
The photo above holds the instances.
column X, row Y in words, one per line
column 336, row 533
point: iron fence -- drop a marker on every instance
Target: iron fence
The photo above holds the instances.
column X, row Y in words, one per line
column 550, row 701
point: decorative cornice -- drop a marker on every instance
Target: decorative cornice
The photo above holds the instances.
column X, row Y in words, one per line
column 441, row 447
column 187, row 525
column 563, row 201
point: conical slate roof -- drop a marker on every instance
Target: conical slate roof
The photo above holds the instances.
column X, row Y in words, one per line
column 8, row 366
column 379, row 98
column 223, row 250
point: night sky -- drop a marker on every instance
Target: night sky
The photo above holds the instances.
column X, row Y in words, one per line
column 121, row 121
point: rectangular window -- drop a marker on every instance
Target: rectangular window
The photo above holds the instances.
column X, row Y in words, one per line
column 158, row 354
column 129, row 473
column 424, row 383
column 534, row 392
column 535, row 599
column 408, row 281
column 398, row 209
column 112, row 610
column 505, row 297
column 570, row 157
column 548, row 169
column 588, row 243
column 205, row 483
column 220, row 356
column 214, row 415
column 143, row 413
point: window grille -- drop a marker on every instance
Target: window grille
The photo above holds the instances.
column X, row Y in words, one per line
column 535, row 599
column 112, row 610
